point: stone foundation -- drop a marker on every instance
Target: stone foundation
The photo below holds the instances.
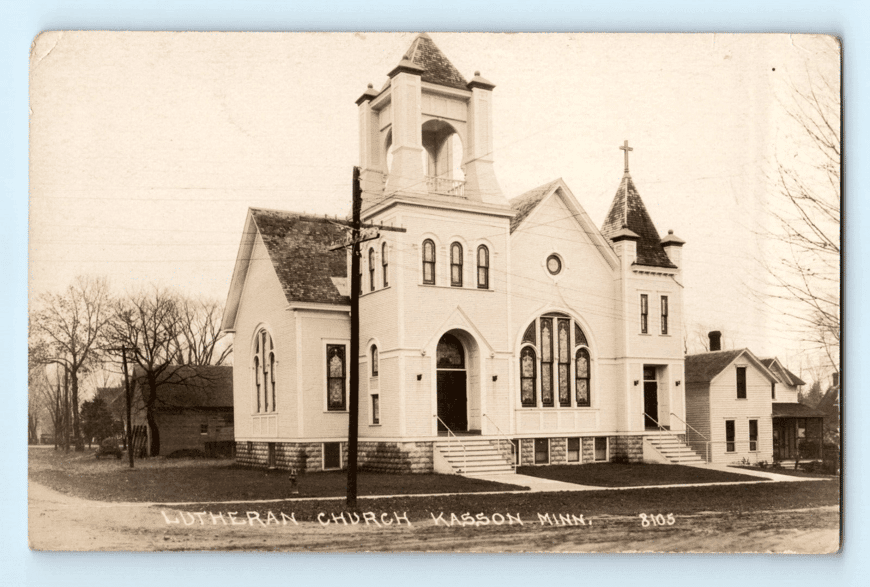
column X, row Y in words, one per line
column 626, row 448
column 382, row 457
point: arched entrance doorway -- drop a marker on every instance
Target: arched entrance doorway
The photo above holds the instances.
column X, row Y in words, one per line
column 452, row 384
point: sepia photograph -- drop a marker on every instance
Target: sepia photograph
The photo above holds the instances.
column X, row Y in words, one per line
column 435, row 292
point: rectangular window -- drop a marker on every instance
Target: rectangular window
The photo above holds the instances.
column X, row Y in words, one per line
column 644, row 313
column 273, row 458
column 331, row 455
column 547, row 361
column 376, row 409
column 573, row 450
column 335, row 378
column 664, row 314
column 773, row 390
column 741, row 382
column 600, row 448
column 542, row 451
column 753, row 435
column 729, row 436
column 203, row 428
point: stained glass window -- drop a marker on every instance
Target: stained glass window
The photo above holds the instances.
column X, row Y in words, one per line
column 335, row 377
column 581, row 370
column 644, row 313
column 529, row 335
column 450, row 354
column 579, row 337
column 374, row 361
column 547, row 361
column 664, row 314
column 264, row 372
column 564, row 354
column 385, row 263
column 527, row 376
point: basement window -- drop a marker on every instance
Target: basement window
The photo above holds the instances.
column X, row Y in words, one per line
column 600, row 448
column 542, row 451
column 573, row 450
column 331, row 455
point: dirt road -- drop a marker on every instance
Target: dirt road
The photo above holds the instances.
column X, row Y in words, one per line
column 61, row 522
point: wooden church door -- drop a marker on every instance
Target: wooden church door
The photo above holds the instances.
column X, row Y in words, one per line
column 452, row 400
column 650, row 397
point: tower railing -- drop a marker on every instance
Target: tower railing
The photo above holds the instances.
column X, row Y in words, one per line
column 443, row 185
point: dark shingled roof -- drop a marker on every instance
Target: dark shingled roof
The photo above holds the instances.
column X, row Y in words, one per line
column 795, row 380
column 298, row 246
column 704, row 367
column 525, row 203
column 193, row 386
column 437, row 69
column 792, row 410
column 628, row 211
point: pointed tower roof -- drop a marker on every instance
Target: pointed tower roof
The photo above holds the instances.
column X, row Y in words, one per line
column 628, row 212
column 436, row 68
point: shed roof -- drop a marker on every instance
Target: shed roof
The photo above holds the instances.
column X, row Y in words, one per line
column 795, row 410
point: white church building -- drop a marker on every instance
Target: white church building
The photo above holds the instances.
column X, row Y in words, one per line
column 490, row 319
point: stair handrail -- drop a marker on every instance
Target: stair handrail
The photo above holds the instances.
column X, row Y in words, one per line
column 464, row 450
column 499, row 436
column 670, row 433
column 706, row 440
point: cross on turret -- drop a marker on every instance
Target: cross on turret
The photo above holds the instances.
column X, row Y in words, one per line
column 626, row 149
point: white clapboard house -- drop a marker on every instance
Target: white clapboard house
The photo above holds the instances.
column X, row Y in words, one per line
column 493, row 321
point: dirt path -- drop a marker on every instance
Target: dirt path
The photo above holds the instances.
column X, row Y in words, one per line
column 61, row 522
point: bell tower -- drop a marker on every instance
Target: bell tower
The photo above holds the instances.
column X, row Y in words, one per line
column 428, row 133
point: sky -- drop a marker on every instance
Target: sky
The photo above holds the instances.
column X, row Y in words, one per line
column 148, row 148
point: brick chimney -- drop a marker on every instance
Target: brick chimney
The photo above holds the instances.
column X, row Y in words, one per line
column 715, row 340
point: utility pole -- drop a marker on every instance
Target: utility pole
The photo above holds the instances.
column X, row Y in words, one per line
column 129, row 401
column 353, row 400
column 359, row 233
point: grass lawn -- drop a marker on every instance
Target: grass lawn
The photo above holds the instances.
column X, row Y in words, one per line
column 178, row 480
column 631, row 475
column 682, row 501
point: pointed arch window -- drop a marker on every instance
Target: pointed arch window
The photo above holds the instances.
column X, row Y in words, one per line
column 428, row 262
column 581, row 373
column 264, row 372
column 456, row 265
column 336, row 392
column 482, row 267
column 385, row 263
column 562, row 357
column 371, row 269
column 374, row 361
column 547, row 361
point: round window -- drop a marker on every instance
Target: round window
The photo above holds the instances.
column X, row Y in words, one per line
column 554, row 265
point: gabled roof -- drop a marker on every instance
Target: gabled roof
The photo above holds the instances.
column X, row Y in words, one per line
column 777, row 368
column 525, row 203
column 704, row 367
column 830, row 402
column 194, row 386
column 628, row 211
column 298, row 247
column 437, row 69
column 795, row 410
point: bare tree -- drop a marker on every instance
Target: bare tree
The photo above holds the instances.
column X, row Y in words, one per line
column 146, row 324
column 200, row 339
column 67, row 328
column 807, row 212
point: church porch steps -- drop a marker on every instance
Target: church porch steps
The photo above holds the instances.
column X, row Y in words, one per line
column 469, row 456
column 673, row 450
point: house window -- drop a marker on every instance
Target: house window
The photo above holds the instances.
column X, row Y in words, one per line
column 600, row 448
column 331, row 455
column 264, row 371
column 773, row 390
column 528, row 377
column 456, row 265
column 581, row 372
column 335, row 378
column 741, row 382
column 729, row 436
column 753, row 435
column 547, row 361
column 573, row 450
column 644, row 313
column 482, row 267
column 428, row 262
column 385, row 263
column 371, row 269
column 664, row 314
column 203, row 428
column 542, row 451
column 376, row 409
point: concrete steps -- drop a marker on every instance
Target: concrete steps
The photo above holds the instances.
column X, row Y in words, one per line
column 675, row 451
column 470, row 456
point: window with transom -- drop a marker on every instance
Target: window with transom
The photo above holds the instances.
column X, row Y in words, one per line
column 264, row 372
